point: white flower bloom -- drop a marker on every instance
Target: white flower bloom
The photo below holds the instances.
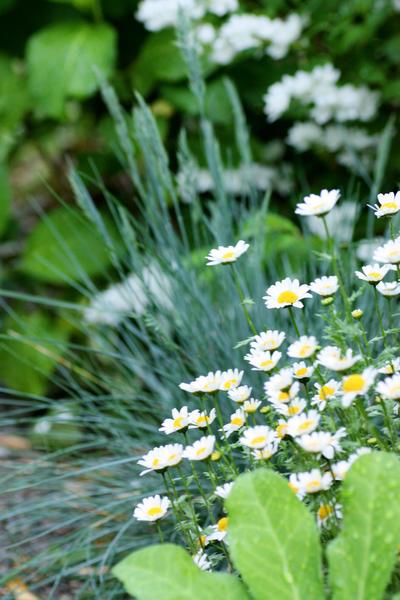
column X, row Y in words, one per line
column 204, row 384
column 391, row 367
column 389, row 204
column 327, row 511
column 201, row 560
column 389, row 388
column 389, row 252
column 200, row 449
column 230, row 379
column 263, row 361
column 277, row 397
column 356, row 384
column 303, row 348
column 257, row 437
column 359, row 452
column 331, row 358
column 322, row 442
column 226, row 254
column 318, row 204
column 240, row 394
column 327, row 391
column 268, row 340
column 201, row 420
column 267, row 452
column 251, row 406
column 159, row 14
column 161, row 457
column 389, row 289
column 303, row 423
column 237, row 420
column 302, row 371
column 374, row 273
column 325, row 286
column 288, row 292
column 295, row 486
column 314, row 481
column 291, row 409
column 340, row 469
column 218, row 531
column 223, row 491
column 278, row 382
column 179, row 421
column 152, row 508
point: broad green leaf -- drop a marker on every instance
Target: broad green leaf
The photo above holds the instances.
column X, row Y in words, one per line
column 14, row 102
column 362, row 557
column 64, row 246
column 273, row 539
column 60, row 61
column 28, row 358
column 167, row 572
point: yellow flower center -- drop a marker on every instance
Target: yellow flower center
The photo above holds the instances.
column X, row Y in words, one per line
column 266, row 363
column 293, row 487
column 156, row 462
column 229, row 383
column 261, row 439
column 172, row 457
column 306, row 425
column 200, row 451
column 250, row 408
column 313, row 486
column 354, row 383
column 283, row 396
column 202, row 420
column 271, row 344
column 301, row 372
column 325, row 391
column 305, row 350
column 324, row 511
column 237, row 421
column 154, row 510
column 375, row 275
column 178, row 423
column 228, row 255
column 222, row 524
column 287, row 297
column 390, row 205
column 293, row 410
column 281, row 430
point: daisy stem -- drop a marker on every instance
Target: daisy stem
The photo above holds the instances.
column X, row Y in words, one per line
column 242, row 297
column 378, row 312
column 369, row 425
column 160, row 533
column 179, row 513
column 391, row 227
column 336, row 269
column 389, row 424
column 187, row 490
column 293, row 321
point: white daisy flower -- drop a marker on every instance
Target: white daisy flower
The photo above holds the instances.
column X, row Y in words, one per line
column 331, row 358
column 295, row 485
column 152, row 508
column 161, row 457
column 359, row 452
column 389, row 252
column 218, row 531
column 295, row 407
column 389, row 388
column 263, row 361
column 226, row 254
column 389, row 204
column 268, row 340
column 267, row 452
column 391, row 367
column 303, row 348
column 318, row 204
column 356, row 384
column 325, row 286
column 230, row 379
column 200, row 449
column 288, row 292
column 257, row 437
column 340, row 469
column 303, row 423
column 201, row 560
column 389, row 289
column 280, row 381
column 374, row 273
column 201, row 420
column 223, row 491
column 281, row 429
column 237, row 420
column 327, row 391
column 204, row 384
column 251, row 406
column 314, row 481
column 240, row 394
column 302, row 371
column 326, row 511
column 179, row 421
column 322, row 442
column 284, row 396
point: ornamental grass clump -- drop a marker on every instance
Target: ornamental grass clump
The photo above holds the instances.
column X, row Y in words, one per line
column 314, row 400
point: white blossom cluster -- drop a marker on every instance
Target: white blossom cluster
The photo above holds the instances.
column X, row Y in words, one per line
column 159, row 14
column 319, row 90
column 237, row 181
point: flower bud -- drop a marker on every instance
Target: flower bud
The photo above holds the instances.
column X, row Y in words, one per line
column 326, row 301
column 216, row 455
column 357, row 313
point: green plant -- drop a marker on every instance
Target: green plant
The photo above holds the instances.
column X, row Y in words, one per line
column 274, row 545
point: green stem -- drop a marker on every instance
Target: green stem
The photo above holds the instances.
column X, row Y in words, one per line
column 242, row 299
column 293, row 321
